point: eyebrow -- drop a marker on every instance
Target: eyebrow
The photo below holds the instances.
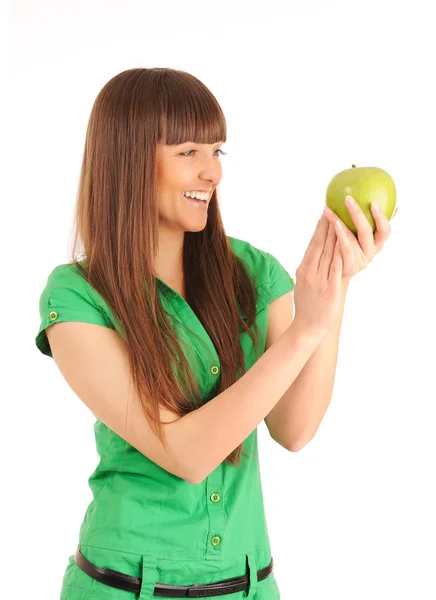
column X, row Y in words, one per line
column 199, row 143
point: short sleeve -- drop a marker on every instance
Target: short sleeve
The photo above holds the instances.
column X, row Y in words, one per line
column 280, row 281
column 67, row 296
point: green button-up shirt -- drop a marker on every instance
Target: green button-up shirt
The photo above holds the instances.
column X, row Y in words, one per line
column 143, row 520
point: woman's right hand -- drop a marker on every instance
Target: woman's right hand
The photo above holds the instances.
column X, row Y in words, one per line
column 318, row 286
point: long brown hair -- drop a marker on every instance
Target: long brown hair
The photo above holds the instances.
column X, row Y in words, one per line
column 116, row 221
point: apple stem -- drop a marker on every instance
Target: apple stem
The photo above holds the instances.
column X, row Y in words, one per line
column 354, row 166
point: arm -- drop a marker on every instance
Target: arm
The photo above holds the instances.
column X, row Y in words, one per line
column 295, row 419
column 93, row 360
column 231, row 416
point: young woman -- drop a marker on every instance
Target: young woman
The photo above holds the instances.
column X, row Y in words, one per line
column 164, row 328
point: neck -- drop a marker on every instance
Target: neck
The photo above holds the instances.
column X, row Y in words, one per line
column 169, row 260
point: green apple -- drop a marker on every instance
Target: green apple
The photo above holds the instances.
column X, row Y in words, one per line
column 366, row 185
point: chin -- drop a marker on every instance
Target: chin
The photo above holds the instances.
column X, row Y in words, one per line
column 194, row 229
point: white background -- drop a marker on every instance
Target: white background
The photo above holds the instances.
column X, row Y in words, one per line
column 308, row 88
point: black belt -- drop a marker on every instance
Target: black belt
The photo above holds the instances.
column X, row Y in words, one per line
column 133, row 584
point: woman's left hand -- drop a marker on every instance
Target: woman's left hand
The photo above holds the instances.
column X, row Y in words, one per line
column 360, row 252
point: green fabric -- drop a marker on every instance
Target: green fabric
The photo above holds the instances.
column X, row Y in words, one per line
column 143, row 520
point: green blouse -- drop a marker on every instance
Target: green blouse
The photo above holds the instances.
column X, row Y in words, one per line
column 143, row 520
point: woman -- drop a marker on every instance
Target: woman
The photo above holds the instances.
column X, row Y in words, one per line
column 162, row 330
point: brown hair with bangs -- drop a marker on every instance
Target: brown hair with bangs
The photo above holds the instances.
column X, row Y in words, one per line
column 116, row 221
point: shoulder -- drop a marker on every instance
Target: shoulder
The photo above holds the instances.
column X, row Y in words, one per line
column 264, row 267
column 65, row 274
column 67, row 296
column 68, row 276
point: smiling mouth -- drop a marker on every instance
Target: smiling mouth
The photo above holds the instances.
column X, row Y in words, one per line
column 199, row 199
column 195, row 202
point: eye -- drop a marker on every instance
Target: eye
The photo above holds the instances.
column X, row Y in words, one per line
column 189, row 155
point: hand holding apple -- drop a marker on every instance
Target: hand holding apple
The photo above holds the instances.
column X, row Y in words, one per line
column 354, row 218
column 366, row 185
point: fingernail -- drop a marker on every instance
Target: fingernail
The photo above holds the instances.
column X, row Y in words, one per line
column 350, row 200
column 376, row 207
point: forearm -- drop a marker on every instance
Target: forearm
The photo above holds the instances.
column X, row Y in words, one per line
column 295, row 419
column 203, row 438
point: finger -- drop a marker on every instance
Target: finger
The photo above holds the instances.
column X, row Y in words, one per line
column 346, row 247
column 316, row 245
column 383, row 228
column 364, row 229
column 333, row 218
column 327, row 255
column 335, row 273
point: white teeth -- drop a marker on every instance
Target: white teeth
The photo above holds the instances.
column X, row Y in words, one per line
column 197, row 195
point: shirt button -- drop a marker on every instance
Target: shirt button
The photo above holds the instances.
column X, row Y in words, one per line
column 53, row 315
column 216, row 540
column 214, row 370
column 215, row 497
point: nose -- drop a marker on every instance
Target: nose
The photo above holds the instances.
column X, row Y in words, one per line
column 211, row 170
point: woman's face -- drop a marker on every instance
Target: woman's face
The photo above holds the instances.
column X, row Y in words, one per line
column 182, row 168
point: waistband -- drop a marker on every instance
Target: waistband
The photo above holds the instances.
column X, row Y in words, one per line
column 134, row 584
